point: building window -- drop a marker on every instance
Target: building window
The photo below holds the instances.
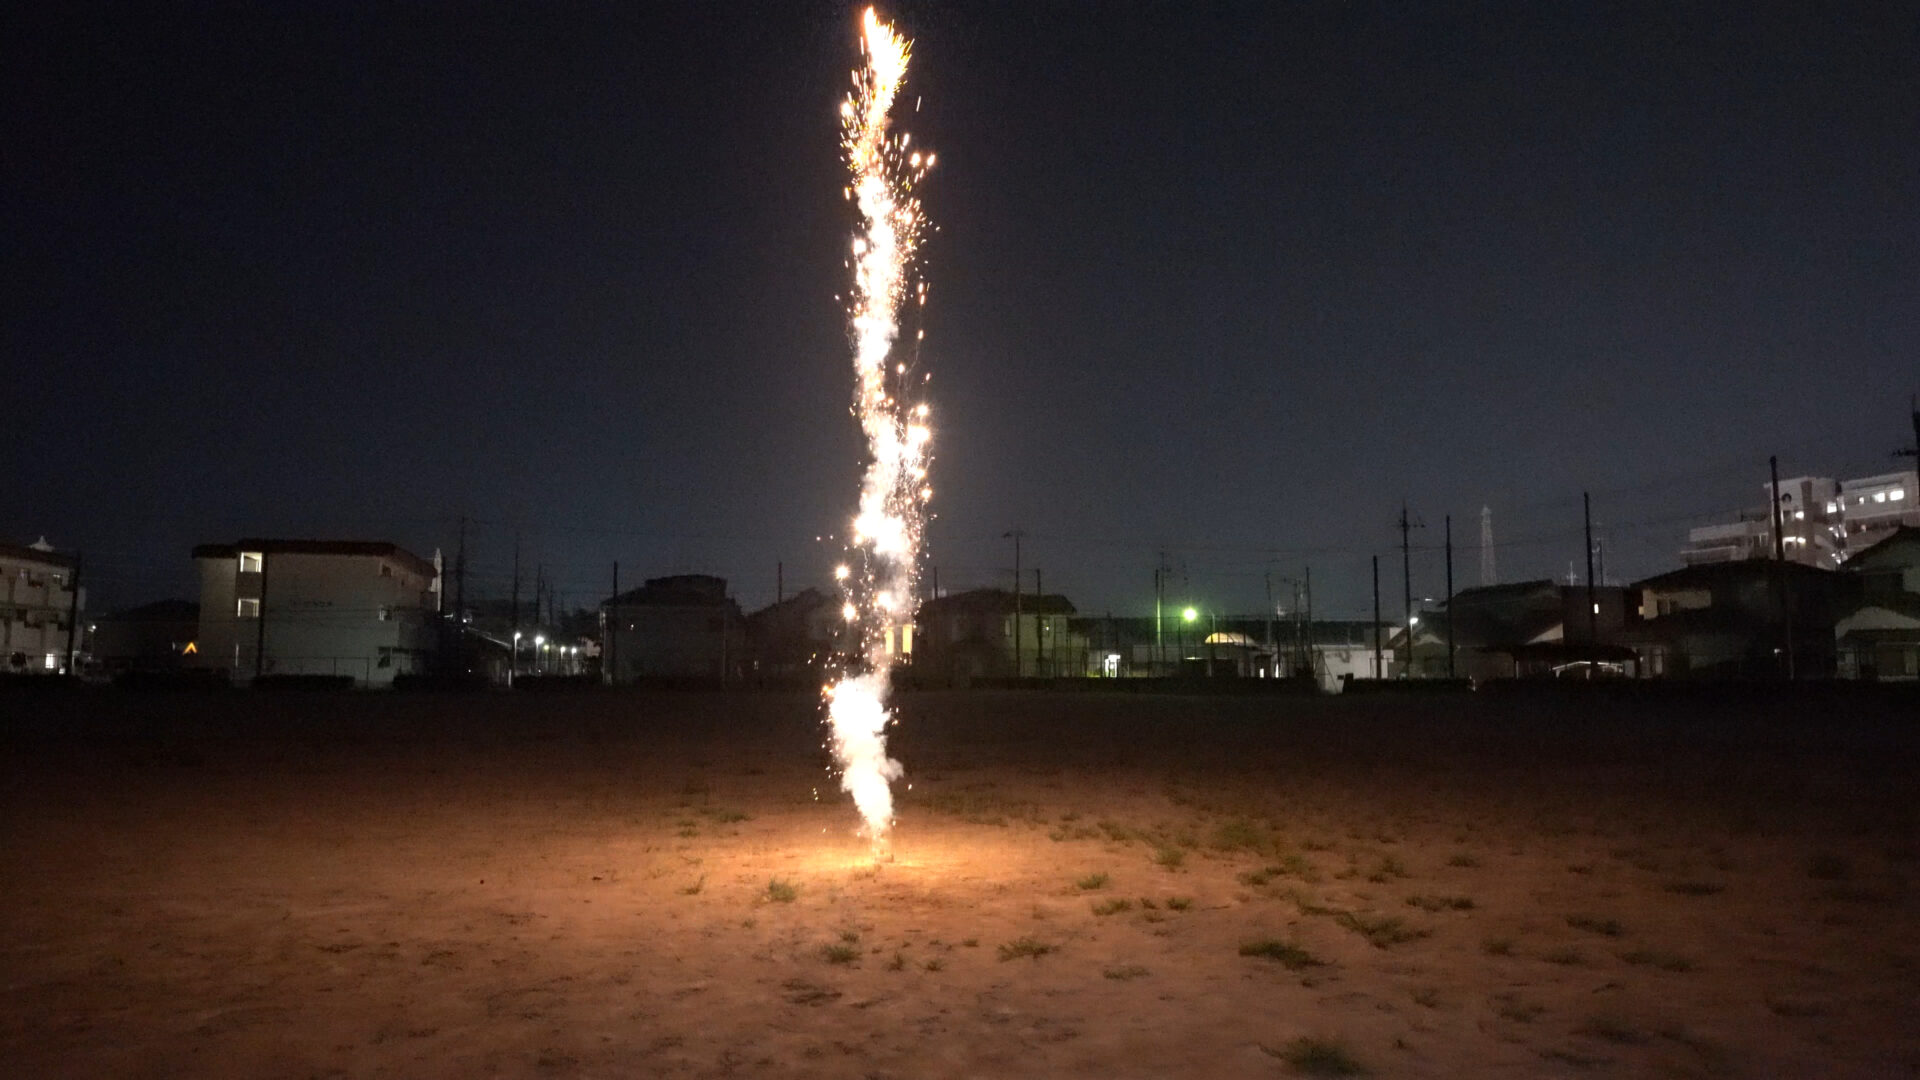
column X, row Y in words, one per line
column 386, row 613
column 250, row 562
column 248, row 608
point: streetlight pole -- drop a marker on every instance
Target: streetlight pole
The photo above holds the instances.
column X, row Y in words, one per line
column 1016, row 535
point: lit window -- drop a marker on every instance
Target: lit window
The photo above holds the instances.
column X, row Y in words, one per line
column 249, row 562
column 1799, row 515
column 1879, row 496
column 386, row 614
column 1897, row 494
column 248, row 608
column 1833, row 508
column 53, row 661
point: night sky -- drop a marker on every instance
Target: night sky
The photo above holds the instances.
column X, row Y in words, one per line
column 1230, row 282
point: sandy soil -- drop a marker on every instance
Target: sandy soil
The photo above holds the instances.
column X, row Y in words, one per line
column 287, row 886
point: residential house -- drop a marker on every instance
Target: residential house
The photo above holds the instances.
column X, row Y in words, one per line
column 798, row 636
column 684, row 627
column 1752, row 618
column 1520, row 629
column 1878, row 637
column 367, row 610
column 1248, row 646
column 977, row 634
column 37, row 609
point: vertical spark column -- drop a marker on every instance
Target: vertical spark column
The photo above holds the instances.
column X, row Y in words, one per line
column 885, row 539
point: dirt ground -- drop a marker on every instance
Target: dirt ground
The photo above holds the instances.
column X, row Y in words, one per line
column 1083, row 885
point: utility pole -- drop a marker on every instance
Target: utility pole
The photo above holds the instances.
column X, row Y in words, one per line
column 1593, row 606
column 1406, row 577
column 1159, row 617
column 1016, row 535
column 1489, row 575
column 610, row 650
column 513, row 643
column 460, row 581
column 1270, row 649
column 1306, row 587
column 1449, row 596
column 1913, row 404
column 1376, row 617
column 260, row 628
column 1039, row 627
column 73, row 617
column 779, row 581
column 1780, row 594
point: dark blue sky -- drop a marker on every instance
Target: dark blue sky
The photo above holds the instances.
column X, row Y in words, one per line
column 1228, row 280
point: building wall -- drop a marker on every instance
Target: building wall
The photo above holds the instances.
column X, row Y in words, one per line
column 36, row 600
column 677, row 641
column 365, row 616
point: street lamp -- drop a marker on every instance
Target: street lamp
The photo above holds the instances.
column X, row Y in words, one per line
column 1190, row 614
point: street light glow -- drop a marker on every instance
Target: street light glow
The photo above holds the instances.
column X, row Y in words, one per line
column 1190, row 614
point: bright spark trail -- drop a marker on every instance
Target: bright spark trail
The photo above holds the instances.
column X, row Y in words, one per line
column 879, row 589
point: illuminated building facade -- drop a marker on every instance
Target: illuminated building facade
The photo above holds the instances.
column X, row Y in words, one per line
column 367, row 610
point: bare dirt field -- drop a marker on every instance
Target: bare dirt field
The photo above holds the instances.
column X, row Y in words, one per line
column 281, row 885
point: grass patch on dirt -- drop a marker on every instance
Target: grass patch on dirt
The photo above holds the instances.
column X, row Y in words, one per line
column 1240, row 835
column 782, row 892
column 839, row 953
column 1025, row 948
column 1290, row 956
column 1695, row 888
column 1318, row 1057
column 1379, row 930
column 1441, row 903
column 1665, row 961
column 1090, row 882
column 1113, row 907
column 1594, row 925
column 1123, row 974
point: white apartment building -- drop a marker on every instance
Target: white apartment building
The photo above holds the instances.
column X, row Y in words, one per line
column 1821, row 521
column 315, row 607
column 1874, row 506
column 37, row 605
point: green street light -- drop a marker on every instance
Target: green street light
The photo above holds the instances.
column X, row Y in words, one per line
column 1190, row 614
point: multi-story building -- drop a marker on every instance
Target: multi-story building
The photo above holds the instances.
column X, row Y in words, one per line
column 1822, row 521
column 1875, row 506
column 1812, row 528
column 37, row 609
column 363, row 609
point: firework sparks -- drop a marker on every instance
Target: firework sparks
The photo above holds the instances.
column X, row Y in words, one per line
column 885, row 541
